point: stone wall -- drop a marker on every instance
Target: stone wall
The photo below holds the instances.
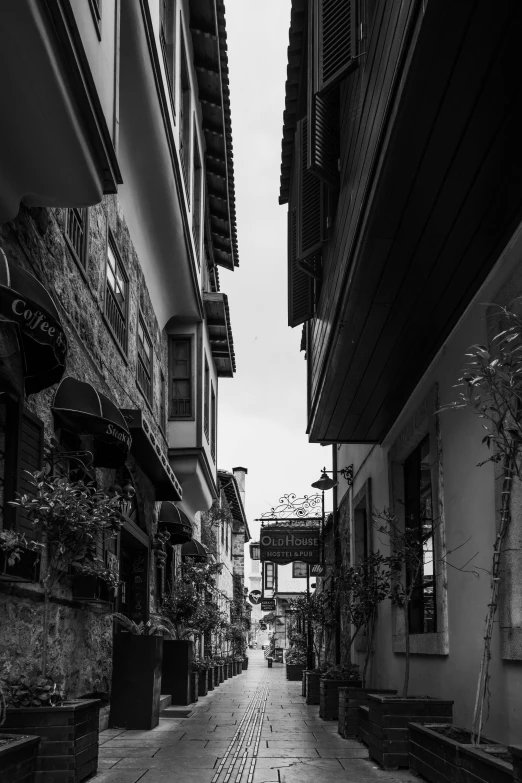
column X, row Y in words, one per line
column 80, row 638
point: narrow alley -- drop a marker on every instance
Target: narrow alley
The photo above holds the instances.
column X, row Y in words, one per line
column 255, row 728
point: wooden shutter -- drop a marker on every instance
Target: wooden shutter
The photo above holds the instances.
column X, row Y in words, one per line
column 310, row 217
column 300, row 284
column 335, row 41
column 323, row 137
column 30, row 458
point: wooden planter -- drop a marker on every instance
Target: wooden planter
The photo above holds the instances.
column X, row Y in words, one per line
column 329, row 696
column 203, row 682
column 303, row 682
column 68, row 749
column 441, row 759
column 176, row 680
column 363, row 730
column 294, row 672
column 194, row 686
column 18, row 759
column 312, row 686
column 221, row 673
column 389, row 717
column 516, row 753
column 245, row 663
column 136, row 681
column 350, row 699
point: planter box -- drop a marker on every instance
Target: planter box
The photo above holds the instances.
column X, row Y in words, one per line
column 303, row 683
column 312, row 686
column 176, row 673
column 350, row 699
column 363, row 731
column 516, row 753
column 203, row 682
column 441, row 759
column 194, row 686
column 221, row 673
column 210, row 679
column 389, row 717
column 68, row 749
column 225, row 671
column 329, row 696
column 18, row 759
column 294, row 672
column 245, row 663
column 136, row 681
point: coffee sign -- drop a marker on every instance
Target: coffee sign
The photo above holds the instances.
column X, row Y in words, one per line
column 286, row 544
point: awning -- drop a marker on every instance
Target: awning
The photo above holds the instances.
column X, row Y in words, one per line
column 25, row 302
column 151, row 457
column 195, row 551
column 79, row 408
column 176, row 522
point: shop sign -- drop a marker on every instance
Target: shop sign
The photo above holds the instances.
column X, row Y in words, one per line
column 317, row 569
column 268, row 605
column 286, row 544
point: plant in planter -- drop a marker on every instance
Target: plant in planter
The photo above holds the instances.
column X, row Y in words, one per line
column 136, row 675
column 17, row 758
column 70, row 520
column 200, row 668
column 332, row 679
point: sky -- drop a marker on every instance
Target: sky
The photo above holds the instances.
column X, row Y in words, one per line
column 262, row 411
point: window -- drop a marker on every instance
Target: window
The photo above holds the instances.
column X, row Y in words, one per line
column 419, row 519
column 167, row 45
column 206, row 401
column 76, row 233
column 269, row 576
column 213, row 423
column 299, row 570
column 144, row 367
column 185, row 118
column 162, row 411
column 181, row 378
column 116, row 294
column 196, row 202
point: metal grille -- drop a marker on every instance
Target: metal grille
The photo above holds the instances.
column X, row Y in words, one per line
column 116, row 298
column 144, row 369
column 75, row 230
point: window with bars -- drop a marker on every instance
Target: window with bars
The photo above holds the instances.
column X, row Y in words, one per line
column 185, row 117
column 116, row 295
column 206, row 401
column 167, row 45
column 145, row 365
column 196, row 201
column 299, row 570
column 419, row 520
column 76, row 232
column 213, row 423
column 180, row 368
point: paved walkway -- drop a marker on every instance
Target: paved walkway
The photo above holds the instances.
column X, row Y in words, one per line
column 254, row 728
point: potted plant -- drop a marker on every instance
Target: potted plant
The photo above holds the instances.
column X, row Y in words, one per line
column 136, row 674
column 200, row 668
column 70, row 520
column 332, row 679
column 315, row 612
column 295, row 664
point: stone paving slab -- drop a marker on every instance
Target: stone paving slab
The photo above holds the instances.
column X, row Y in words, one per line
column 255, row 727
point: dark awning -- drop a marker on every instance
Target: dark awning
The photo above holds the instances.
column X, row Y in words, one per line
column 25, row 302
column 79, row 408
column 176, row 522
column 194, row 550
column 152, row 457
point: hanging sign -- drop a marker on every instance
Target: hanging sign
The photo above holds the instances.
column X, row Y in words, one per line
column 255, row 597
column 317, row 569
column 268, row 605
column 286, row 544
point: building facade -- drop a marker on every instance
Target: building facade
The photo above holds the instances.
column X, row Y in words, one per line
column 401, row 170
column 117, row 211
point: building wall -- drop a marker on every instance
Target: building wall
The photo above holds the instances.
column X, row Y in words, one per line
column 447, row 664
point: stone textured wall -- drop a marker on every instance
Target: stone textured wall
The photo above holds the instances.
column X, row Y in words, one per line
column 81, row 639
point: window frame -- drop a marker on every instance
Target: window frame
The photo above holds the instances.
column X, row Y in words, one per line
column 266, row 577
column 294, row 569
column 206, row 399
column 213, row 422
column 185, row 113
column 189, row 339
column 82, row 257
column 167, row 38
column 112, row 245
column 96, row 12
column 147, row 393
column 197, row 193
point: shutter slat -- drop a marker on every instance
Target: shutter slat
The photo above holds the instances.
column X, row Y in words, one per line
column 300, row 285
column 335, row 40
column 310, row 215
column 324, row 136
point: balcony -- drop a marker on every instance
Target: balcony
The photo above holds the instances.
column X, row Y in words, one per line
column 55, row 146
column 220, row 333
